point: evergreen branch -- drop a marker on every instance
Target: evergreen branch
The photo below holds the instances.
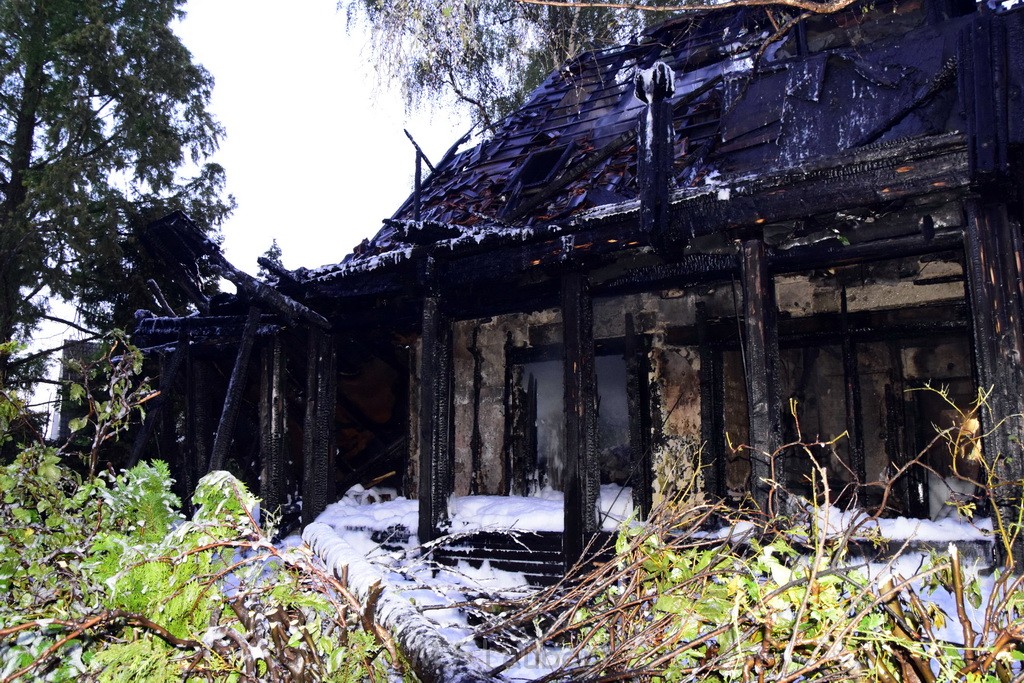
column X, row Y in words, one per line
column 105, row 618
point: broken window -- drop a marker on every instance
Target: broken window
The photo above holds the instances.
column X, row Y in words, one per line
column 538, row 425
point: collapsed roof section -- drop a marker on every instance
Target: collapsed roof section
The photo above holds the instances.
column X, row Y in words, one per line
column 756, row 108
column 803, row 130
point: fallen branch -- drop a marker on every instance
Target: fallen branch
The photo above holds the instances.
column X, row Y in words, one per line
column 432, row 657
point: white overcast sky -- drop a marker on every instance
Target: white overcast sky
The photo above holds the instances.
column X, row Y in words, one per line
column 314, row 152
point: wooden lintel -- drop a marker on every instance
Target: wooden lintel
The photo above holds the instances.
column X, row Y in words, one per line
column 761, row 355
column 836, row 255
column 582, row 478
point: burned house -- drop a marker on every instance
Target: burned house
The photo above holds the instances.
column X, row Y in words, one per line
column 743, row 229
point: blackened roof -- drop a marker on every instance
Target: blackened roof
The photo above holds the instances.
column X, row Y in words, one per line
column 746, row 103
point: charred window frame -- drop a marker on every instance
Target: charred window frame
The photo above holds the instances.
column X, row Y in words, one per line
column 625, row 416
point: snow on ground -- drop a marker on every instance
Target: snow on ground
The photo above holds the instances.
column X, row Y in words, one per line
column 903, row 528
column 543, row 512
column 439, row 590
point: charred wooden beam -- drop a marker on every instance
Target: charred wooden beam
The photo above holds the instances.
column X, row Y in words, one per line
column 712, row 417
column 476, row 440
column 854, row 410
column 761, row 355
column 994, row 253
column 865, row 177
column 177, row 238
column 181, row 265
column 437, row 447
column 638, row 395
column 655, row 151
column 984, row 95
column 582, row 477
column 837, row 255
column 273, row 417
column 318, row 470
column 236, row 385
column 522, row 433
column 197, row 424
column 170, row 369
column 685, row 270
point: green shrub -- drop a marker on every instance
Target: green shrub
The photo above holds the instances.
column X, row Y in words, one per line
column 102, row 579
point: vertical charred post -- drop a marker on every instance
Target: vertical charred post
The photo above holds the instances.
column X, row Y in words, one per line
column 761, row 354
column 712, row 429
column 170, row 368
column 654, row 87
column 476, row 439
column 993, row 245
column 983, row 58
column 318, row 471
column 994, row 252
column 522, row 433
column 582, row 480
column 854, row 410
column 197, row 424
column 236, row 385
column 638, row 393
column 437, row 447
column 272, row 425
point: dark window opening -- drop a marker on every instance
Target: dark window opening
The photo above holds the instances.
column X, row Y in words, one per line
column 541, row 167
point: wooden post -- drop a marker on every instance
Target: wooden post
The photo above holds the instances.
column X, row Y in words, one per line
column 712, row 427
column 197, row 425
column 655, row 151
column 638, row 394
column 993, row 259
column 272, row 426
column 522, row 435
column 761, row 355
column 236, row 385
column 582, row 478
column 984, row 87
column 318, row 472
column 437, row 440
column 854, row 410
column 169, row 370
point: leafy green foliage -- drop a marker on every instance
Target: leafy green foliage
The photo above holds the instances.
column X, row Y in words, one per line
column 102, row 579
column 777, row 598
column 105, row 116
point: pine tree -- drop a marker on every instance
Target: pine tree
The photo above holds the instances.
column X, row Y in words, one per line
column 272, row 254
column 103, row 116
